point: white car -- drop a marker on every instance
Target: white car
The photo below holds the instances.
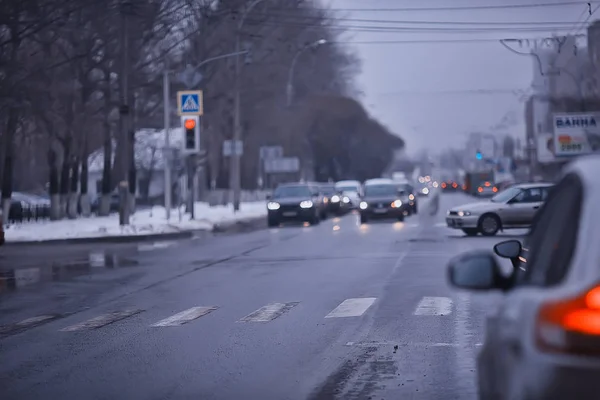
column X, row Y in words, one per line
column 542, row 338
column 512, row 208
column 351, row 192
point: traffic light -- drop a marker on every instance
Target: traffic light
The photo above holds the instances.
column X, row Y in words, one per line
column 478, row 155
column 191, row 138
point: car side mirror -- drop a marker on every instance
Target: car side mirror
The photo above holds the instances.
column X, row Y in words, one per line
column 508, row 249
column 476, row 270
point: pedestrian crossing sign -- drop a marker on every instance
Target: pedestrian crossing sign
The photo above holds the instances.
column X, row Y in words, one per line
column 190, row 102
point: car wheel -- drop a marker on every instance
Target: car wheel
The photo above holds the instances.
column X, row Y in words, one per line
column 363, row 219
column 316, row 220
column 489, row 224
column 470, row 231
column 272, row 223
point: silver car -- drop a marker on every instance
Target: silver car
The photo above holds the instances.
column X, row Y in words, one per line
column 512, row 208
column 542, row 335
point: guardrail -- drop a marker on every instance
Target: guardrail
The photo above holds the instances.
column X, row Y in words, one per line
column 28, row 213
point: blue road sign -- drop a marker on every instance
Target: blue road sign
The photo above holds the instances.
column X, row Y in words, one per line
column 190, row 102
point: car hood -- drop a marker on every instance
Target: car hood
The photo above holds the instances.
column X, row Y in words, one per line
column 479, row 206
column 380, row 199
column 291, row 200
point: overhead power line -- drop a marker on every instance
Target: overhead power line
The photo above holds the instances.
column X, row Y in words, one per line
column 471, row 8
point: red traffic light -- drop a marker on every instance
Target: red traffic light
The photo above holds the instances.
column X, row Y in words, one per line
column 189, row 124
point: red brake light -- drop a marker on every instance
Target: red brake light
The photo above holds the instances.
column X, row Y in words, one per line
column 571, row 325
column 480, row 189
column 494, row 189
column 487, row 184
column 444, row 185
column 454, row 185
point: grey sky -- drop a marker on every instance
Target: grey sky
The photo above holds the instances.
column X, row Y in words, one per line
column 421, row 91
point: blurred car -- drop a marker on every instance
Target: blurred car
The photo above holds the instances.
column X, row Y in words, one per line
column 487, row 189
column 301, row 202
column 381, row 200
column 450, row 186
column 410, row 197
column 512, row 208
column 351, row 191
column 542, row 338
column 333, row 199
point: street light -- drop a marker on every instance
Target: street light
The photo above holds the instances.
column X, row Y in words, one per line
column 290, row 84
column 234, row 169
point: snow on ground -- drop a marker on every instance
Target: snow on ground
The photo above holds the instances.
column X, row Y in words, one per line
column 144, row 222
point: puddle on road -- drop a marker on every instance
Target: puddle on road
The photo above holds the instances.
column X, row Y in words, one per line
column 18, row 278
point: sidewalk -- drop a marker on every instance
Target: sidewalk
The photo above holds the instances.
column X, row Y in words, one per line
column 144, row 223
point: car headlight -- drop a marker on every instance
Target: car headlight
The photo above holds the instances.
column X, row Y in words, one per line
column 411, row 197
column 363, row 205
column 335, row 199
column 273, row 205
column 306, row 204
column 346, row 199
column 397, row 204
column 464, row 213
column 425, row 191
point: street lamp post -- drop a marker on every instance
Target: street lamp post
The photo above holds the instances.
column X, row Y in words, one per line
column 234, row 170
column 290, row 95
column 290, row 83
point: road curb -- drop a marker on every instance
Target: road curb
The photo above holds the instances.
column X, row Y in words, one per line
column 245, row 225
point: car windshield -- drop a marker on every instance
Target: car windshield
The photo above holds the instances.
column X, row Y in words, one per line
column 506, row 195
column 380, row 190
column 328, row 190
column 347, row 188
column 405, row 187
column 291, row 191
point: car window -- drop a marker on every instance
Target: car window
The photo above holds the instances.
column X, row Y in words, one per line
column 291, row 191
column 551, row 243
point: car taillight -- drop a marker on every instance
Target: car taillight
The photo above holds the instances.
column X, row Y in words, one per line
column 454, row 185
column 480, row 189
column 571, row 325
column 494, row 189
column 444, row 185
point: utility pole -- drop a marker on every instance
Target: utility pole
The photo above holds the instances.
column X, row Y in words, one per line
column 167, row 151
column 235, row 181
column 125, row 113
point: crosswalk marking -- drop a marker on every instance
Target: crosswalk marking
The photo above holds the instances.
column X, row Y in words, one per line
column 101, row 320
column 185, row 316
column 352, row 307
column 434, row 306
column 269, row 312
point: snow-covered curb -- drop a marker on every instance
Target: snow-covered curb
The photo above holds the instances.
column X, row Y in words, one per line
column 145, row 223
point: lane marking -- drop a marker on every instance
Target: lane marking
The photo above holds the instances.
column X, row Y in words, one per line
column 434, row 306
column 102, row 320
column 352, row 307
column 442, row 225
column 463, row 336
column 269, row 312
column 408, row 344
column 185, row 316
column 155, row 246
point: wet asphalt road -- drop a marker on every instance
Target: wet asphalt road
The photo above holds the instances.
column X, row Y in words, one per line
column 336, row 311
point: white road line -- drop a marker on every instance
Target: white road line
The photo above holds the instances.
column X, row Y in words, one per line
column 102, row 320
column 465, row 359
column 410, row 344
column 441, row 225
column 35, row 320
column 434, row 306
column 185, row 316
column 352, row 307
column 269, row 312
column 155, row 246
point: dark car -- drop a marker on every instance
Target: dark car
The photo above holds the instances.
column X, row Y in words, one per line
column 302, row 202
column 410, row 197
column 333, row 199
column 381, row 199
